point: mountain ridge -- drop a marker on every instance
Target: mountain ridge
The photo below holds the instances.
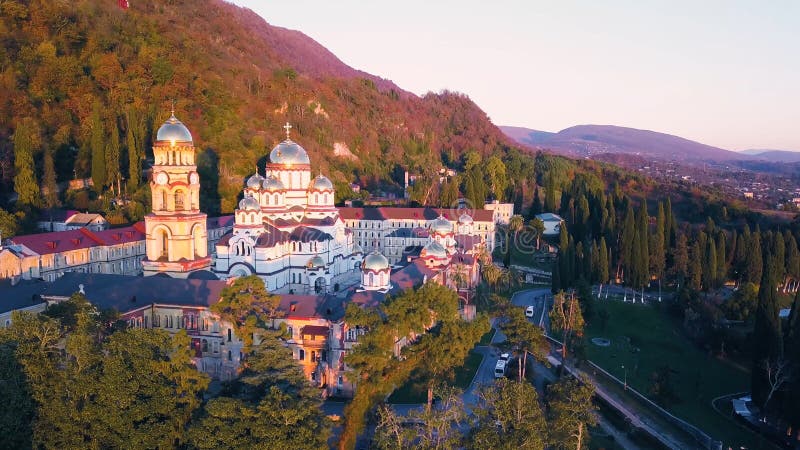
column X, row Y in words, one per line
column 588, row 140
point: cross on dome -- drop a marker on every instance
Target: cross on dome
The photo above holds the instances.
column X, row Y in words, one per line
column 287, row 127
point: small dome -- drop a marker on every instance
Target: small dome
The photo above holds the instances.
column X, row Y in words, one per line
column 249, row 204
column 173, row 130
column 441, row 225
column 375, row 262
column 272, row 184
column 435, row 250
column 465, row 219
column 288, row 152
column 254, row 182
column 320, row 183
column 315, row 262
column 357, row 248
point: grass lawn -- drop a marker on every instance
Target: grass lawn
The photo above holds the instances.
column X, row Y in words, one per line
column 415, row 390
column 644, row 338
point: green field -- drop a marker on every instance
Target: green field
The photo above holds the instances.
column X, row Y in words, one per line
column 416, row 391
column 643, row 339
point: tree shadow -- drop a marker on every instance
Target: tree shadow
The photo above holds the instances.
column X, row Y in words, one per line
column 208, row 169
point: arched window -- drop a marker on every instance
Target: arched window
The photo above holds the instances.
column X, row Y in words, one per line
column 205, row 346
column 316, row 198
column 229, row 334
column 325, row 198
column 230, row 356
column 178, row 200
column 163, row 200
column 371, row 279
column 276, row 199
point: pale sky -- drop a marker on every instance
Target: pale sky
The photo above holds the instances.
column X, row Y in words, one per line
column 722, row 72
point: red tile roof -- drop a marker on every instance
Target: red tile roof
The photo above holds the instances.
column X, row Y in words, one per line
column 64, row 241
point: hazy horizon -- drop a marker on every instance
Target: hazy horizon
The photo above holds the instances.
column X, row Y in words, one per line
column 720, row 72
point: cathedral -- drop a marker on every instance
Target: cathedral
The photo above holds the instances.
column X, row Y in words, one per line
column 287, row 229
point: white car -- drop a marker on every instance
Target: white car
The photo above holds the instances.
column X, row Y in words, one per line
column 529, row 311
column 505, row 357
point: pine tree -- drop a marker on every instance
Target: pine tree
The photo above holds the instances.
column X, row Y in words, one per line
column 98, row 149
column 27, row 140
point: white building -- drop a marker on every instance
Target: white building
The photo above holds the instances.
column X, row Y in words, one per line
column 552, row 223
column 287, row 230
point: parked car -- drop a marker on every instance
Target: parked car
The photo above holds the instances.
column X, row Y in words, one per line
column 529, row 311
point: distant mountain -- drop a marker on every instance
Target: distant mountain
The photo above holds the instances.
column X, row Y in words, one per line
column 774, row 155
column 591, row 140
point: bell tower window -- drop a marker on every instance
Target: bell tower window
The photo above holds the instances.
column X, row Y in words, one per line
column 178, row 200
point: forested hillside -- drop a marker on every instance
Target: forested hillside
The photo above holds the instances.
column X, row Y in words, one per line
column 84, row 84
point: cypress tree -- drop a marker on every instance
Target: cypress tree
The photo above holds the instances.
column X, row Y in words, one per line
column 754, row 262
column 670, row 228
column 767, row 339
column 603, row 261
column 657, row 254
column 628, row 240
column 112, row 155
column 49, row 180
column 550, row 195
column 643, row 261
column 791, row 402
column 27, row 141
column 98, row 149
column 134, row 153
column 536, row 206
column 695, row 267
column 722, row 260
column 710, row 266
column 680, row 260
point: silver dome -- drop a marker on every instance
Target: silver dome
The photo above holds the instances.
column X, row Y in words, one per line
column 441, row 225
column 249, row 204
column 357, row 248
column 173, row 130
column 315, row 262
column 375, row 262
column 320, row 183
column 465, row 219
column 434, row 249
column 271, row 183
column 288, row 152
column 254, row 182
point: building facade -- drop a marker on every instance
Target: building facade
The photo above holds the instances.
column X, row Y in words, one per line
column 177, row 241
column 287, row 230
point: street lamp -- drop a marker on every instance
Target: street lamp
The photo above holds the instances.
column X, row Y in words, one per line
column 625, row 383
